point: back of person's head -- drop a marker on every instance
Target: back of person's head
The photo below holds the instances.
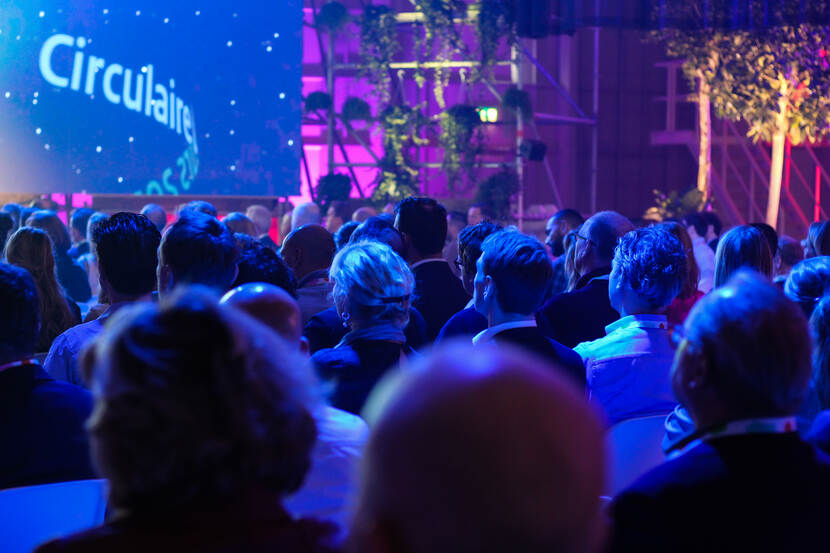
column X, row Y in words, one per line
column 20, row 323
column 571, row 217
column 746, row 353
column 818, row 239
column 519, row 270
column 740, row 247
column 344, row 233
column 789, row 251
column 78, row 222
column 372, row 285
column 259, row 263
column 200, row 206
column 380, row 230
column 54, row 227
column 819, row 395
column 698, row 222
column 651, row 263
column 423, row 221
column 239, row 223
column 6, row 227
column 808, row 282
column 15, row 211
column 769, row 235
column 126, row 245
column 156, row 214
column 197, row 249
column 93, row 223
column 603, row 230
column 437, row 476
column 362, row 213
column 196, row 404
column 270, row 305
column 305, row 214
column 308, row 248
column 690, row 282
column 261, row 217
column 469, row 248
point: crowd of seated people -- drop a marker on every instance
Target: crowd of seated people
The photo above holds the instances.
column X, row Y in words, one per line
column 417, row 380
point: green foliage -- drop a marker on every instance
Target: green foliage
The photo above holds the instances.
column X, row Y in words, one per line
column 356, row 109
column 317, row 101
column 518, row 102
column 332, row 188
column 675, row 205
column 496, row 20
column 378, row 46
column 394, row 183
column 461, row 140
column 332, row 17
column 396, row 178
column 441, row 37
column 495, row 192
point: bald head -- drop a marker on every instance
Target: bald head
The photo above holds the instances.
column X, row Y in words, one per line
column 156, row 214
column 305, row 214
column 362, row 213
column 309, row 248
column 270, row 305
column 603, row 230
column 261, row 216
column 481, row 449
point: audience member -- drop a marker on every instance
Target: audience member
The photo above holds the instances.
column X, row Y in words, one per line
column 41, row 421
column 485, row 450
column 328, row 488
column 77, row 231
column 259, row 263
column 628, row 369
column 341, row 237
column 808, row 282
column 14, row 210
column 713, row 229
column 197, row 249
column 305, row 214
column 263, row 220
column 201, row 427
column 512, row 277
column 89, row 261
column 557, row 228
column 818, row 397
column 32, row 250
column 582, row 315
column 477, row 214
column 439, row 294
column 789, row 254
column 372, row 291
column 456, row 221
column 326, row 329
column 741, row 247
column 156, row 214
column 6, row 227
column 309, row 251
column 468, row 322
column 126, row 245
column 742, row 370
column 71, row 276
column 362, row 213
column 689, row 293
column 697, row 226
column 817, row 241
column 336, row 215
column 238, row 223
column 199, row 206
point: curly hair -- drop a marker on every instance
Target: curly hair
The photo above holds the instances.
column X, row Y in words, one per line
column 196, row 402
column 521, row 269
column 652, row 261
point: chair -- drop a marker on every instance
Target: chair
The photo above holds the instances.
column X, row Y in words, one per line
column 634, row 448
column 32, row 515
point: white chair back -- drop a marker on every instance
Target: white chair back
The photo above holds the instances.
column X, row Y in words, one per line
column 634, row 448
column 32, row 515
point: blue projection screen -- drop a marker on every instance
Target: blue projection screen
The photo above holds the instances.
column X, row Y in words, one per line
column 150, row 97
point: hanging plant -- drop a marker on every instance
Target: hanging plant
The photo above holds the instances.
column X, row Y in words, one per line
column 317, row 101
column 356, row 109
column 461, row 139
column 518, row 102
column 332, row 17
column 441, row 37
column 496, row 21
column 378, row 46
column 330, row 188
column 394, row 183
column 401, row 126
column 495, row 192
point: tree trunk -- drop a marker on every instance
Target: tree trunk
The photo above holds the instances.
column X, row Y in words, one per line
column 704, row 158
column 779, row 139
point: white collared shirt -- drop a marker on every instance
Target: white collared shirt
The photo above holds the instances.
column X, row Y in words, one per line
column 487, row 335
column 430, row 260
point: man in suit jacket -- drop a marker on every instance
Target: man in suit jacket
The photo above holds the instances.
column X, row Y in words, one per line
column 744, row 480
column 512, row 277
column 42, row 434
column 583, row 314
column 438, row 292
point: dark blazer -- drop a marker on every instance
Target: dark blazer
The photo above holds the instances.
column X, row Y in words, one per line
column 467, row 322
column 354, row 369
column 439, row 294
column 325, row 330
column 532, row 340
column 749, row 493
column 42, row 435
column 73, row 278
column 581, row 315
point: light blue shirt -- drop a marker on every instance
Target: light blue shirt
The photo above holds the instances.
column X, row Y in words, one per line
column 629, row 370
